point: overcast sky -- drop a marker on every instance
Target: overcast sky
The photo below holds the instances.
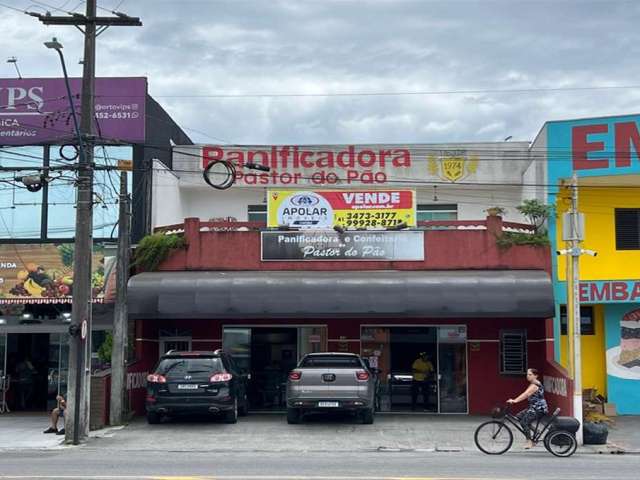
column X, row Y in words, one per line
column 261, row 47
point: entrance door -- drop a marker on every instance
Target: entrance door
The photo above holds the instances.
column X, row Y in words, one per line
column 27, row 363
column 273, row 355
column 452, row 369
column 58, row 371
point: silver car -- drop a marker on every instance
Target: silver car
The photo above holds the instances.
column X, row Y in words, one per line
column 330, row 382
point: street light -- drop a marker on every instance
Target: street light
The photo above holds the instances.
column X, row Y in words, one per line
column 75, row 329
column 14, row 60
column 54, row 44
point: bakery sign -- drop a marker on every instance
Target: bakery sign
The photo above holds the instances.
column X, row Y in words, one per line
column 43, row 273
column 337, row 166
column 332, row 246
column 348, row 209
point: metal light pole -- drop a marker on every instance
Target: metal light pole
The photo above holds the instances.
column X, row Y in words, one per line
column 78, row 346
column 54, row 44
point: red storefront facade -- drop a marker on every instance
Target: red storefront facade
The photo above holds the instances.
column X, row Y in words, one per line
column 468, row 305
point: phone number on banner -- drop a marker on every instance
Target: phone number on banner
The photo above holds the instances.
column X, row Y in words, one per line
column 369, row 219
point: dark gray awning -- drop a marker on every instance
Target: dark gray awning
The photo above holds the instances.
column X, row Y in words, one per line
column 290, row 294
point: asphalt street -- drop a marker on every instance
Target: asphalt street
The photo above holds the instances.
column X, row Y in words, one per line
column 95, row 463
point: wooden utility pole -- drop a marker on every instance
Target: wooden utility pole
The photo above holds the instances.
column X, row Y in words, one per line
column 78, row 393
column 120, row 319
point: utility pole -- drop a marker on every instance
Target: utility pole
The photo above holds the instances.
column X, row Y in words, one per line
column 78, row 394
column 573, row 234
column 573, row 293
column 120, row 320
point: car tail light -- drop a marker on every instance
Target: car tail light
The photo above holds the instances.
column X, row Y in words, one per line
column 220, row 377
column 362, row 375
column 295, row 375
column 156, row 378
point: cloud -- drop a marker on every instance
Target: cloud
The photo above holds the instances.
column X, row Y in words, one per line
column 202, row 48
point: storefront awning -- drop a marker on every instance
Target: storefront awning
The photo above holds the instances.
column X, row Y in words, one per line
column 297, row 294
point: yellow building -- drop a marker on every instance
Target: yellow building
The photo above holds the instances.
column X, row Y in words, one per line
column 603, row 153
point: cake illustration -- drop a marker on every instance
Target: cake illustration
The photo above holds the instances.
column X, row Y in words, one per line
column 630, row 339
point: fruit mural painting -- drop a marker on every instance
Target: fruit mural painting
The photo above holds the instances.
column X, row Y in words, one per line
column 43, row 273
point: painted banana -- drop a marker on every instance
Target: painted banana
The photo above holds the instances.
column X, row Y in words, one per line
column 33, row 288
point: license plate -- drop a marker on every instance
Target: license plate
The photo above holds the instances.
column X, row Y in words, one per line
column 328, row 404
column 187, row 386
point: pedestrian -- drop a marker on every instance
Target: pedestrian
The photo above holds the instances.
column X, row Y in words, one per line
column 537, row 407
column 422, row 369
column 57, row 413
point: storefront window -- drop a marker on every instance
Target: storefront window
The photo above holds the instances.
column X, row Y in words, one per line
column 586, row 320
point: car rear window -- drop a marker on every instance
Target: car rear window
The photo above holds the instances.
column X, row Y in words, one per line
column 333, row 361
column 185, row 365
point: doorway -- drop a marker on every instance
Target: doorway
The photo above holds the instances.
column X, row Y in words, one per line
column 268, row 354
column 28, row 366
column 394, row 350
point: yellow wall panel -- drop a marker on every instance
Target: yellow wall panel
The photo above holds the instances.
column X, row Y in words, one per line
column 598, row 205
column 594, row 368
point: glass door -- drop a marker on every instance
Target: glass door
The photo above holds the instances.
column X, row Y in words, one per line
column 311, row 340
column 58, row 368
column 237, row 343
column 452, row 369
column 4, row 379
column 3, row 354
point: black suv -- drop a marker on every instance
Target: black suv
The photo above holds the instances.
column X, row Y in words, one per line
column 196, row 383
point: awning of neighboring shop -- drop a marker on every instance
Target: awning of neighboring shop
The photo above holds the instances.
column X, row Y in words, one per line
column 298, row 294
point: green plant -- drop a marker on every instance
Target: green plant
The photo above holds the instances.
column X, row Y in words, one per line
column 509, row 239
column 536, row 212
column 155, row 249
column 495, row 211
column 104, row 352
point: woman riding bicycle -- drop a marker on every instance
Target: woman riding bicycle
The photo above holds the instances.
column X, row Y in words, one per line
column 537, row 404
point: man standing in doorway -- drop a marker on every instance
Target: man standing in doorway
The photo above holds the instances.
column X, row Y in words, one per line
column 422, row 369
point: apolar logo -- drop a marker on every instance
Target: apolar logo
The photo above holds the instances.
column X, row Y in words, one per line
column 18, row 98
column 306, row 210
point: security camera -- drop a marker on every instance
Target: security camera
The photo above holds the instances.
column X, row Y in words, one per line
column 593, row 253
column 562, row 252
column 33, row 183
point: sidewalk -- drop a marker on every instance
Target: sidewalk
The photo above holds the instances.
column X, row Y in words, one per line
column 271, row 433
column 24, row 430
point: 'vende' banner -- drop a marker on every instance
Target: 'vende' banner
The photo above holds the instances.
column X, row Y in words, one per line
column 356, row 209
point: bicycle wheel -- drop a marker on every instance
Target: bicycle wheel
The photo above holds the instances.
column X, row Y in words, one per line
column 561, row 443
column 493, row 438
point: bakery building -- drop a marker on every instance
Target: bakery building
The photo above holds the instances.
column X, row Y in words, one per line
column 392, row 273
column 603, row 154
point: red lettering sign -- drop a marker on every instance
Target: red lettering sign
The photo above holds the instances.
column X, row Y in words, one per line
column 582, row 147
column 620, row 291
column 635, row 293
column 600, row 295
column 626, row 135
column 584, row 292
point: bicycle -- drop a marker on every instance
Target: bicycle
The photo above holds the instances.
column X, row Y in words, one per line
column 495, row 437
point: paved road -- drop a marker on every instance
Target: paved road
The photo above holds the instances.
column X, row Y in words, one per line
column 96, row 463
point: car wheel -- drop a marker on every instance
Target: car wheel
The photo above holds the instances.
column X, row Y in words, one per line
column 294, row 416
column 231, row 416
column 367, row 416
column 244, row 408
column 153, row 418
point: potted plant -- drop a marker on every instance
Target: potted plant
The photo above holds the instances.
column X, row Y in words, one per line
column 495, row 211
